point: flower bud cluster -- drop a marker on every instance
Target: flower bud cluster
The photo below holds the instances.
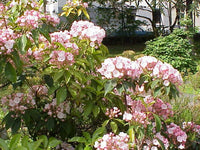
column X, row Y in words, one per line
column 113, row 113
column 177, row 135
column 158, row 107
column 121, row 67
column 61, row 58
column 87, row 30
column 39, row 90
column 155, row 144
column 31, row 19
column 191, row 127
column 76, row 3
column 7, row 37
column 52, row 19
column 18, row 103
column 114, row 142
column 57, row 110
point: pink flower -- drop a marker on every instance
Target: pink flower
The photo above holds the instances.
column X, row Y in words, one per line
column 177, row 135
column 114, row 142
column 87, row 30
column 31, row 19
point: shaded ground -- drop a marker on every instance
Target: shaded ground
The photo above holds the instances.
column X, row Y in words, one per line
column 119, row 48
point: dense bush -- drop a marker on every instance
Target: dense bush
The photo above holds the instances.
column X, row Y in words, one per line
column 174, row 49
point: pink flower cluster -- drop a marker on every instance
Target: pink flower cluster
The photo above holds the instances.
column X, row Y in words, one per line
column 166, row 72
column 113, row 142
column 87, row 30
column 113, row 113
column 36, row 53
column 7, row 37
column 31, row 19
column 141, row 114
column 177, row 135
column 136, row 117
column 57, row 111
column 64, row 38
column 61, row 58
column 52, row 19
column 154, row 144
column 76, row 3
column 191, row 127
column 18, row 103
column 158, row 107
column 120, row 67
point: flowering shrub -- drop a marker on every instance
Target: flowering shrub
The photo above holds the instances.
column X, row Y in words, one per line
column 64, row 87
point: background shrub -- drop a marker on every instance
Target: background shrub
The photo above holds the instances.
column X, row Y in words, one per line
column 174, row 49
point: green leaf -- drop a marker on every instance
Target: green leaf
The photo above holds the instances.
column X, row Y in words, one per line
column 86, row 13
column 58, row 75
column 157, row 92
column 104, row 49
column 79, row 12
column 142, row 79
column 131, row 134
column 88, row 147
column 10, row 72
column 67, row 77
column 35, row 36
column 167, row 90
column 114, row 126
column 21, row 148
column 154, row 83
column 61, row 94
column 68, row 11
column 16, row 125
column 17, row 61
column 22, row 43
column 50, row 124
column 105, row 123
column 88, row 109
column 48, row 80
column 9, row 120
column 3, row 145
column 77, row 139
column 87, row 136
column 35, row 145
column 25, row 141
column 96, row 111
column 44, row 140
column 14, row 141
column 53, row 142
column 99, row 131
column 109, row 86
column 44, row 31
column 72, row 92
column 158, row 123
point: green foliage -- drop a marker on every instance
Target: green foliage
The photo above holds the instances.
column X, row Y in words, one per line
column 174, row 49
column 19, row 142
